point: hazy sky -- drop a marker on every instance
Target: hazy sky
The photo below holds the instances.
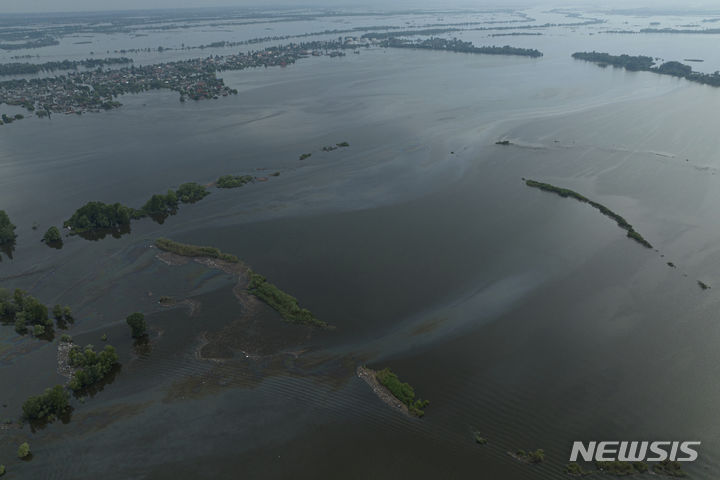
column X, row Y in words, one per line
column 20, row 6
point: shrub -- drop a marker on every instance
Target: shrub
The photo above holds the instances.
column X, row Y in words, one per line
column 137, row 324
column 24, row 450
column 52, row 235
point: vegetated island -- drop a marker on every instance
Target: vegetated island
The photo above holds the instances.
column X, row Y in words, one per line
column 456, row 45
column 399, row 395
column 534, row 457
column 576, row 470
column 96, row 219
column 641, row 63
column 233, row 181
column 257, row 285
column 564, row 192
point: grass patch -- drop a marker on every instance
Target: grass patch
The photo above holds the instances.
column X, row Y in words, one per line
column 285, row 304
column 186, row 250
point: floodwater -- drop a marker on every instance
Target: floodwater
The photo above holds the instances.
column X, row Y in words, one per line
column 519, row 314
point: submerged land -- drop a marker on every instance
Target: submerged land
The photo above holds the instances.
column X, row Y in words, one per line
column 285, row 304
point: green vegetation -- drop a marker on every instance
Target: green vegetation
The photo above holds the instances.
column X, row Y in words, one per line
column 456, row 45
column 628, row 62
column 47, row 406
column 137, row 324
column 65, row 338
column 23, row 310
column 93, row 366
column 23, row 450
column 194, row 250
column 622, row 223
column 62, row 314
column 191, row 192
column 647, row 64
column 233, row 181
column 480, row 440
column 283, row 303
column 402, row 391
column 104, row 337
column 669, row 468
column 160, row 206
column 576, row 469
column 7, row 229
column 343, row 144
column 52, row 236
column 95, row 219
column 305, row 155
column 286, row 305
column 100, row 216
column 38, row 330
column 538, row 456
column 33, row 68
column 621, row 469
column 2, row 470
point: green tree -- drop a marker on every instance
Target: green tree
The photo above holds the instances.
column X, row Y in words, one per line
column 93, row 366
column 191, row 192
column 52, row 235
column 52, row 403
column 137, row 324
column 7, row 229
column 24, row 450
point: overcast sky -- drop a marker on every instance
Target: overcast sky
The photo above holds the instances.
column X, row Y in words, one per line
column 21, row 6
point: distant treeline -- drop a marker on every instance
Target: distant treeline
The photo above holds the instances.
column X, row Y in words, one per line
column 564, row 192
column 37, row 43
column 647, row 64
column 31, row 68
column 439, row 31
column 456, row 45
